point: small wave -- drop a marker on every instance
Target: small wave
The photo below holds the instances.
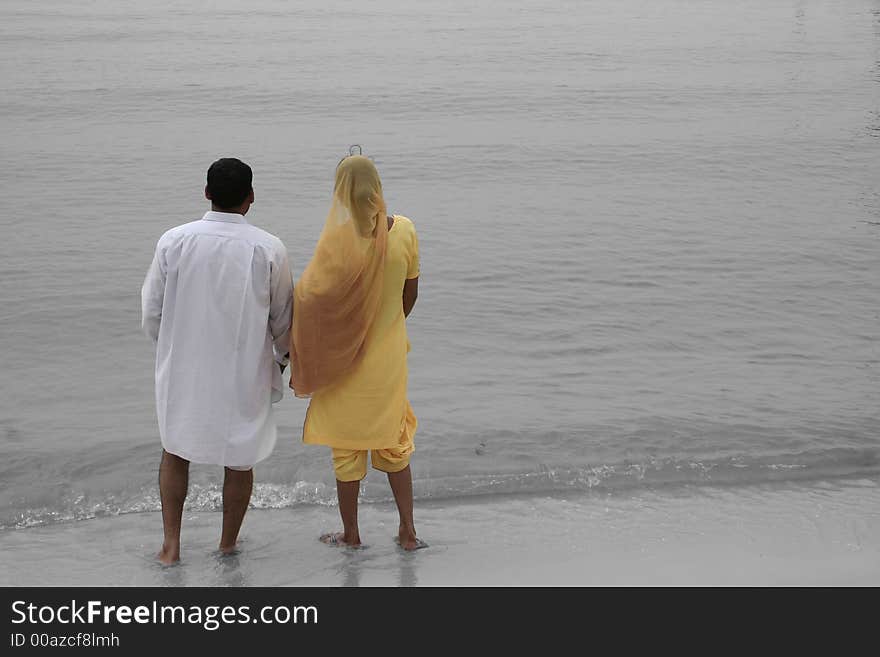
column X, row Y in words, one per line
column 801, row 467
column 199, row 498
column 624, row 283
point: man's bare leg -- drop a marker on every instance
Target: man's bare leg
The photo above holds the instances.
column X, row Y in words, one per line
column 237, row 487
column 401, row 486
column 173, row 482
column 347, row 492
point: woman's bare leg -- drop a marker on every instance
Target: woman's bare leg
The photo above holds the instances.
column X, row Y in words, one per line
column 401, row 486
column 347, row 492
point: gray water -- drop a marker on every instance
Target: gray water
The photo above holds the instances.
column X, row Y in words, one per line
column 649, row 231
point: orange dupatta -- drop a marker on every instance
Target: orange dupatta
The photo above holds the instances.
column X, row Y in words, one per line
column 338, row 295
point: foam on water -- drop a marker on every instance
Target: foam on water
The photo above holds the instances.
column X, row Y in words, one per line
column 619, row 477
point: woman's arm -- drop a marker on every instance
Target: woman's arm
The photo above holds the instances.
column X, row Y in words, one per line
column 410, row 294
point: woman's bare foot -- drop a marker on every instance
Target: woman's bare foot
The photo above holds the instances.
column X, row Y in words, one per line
column 169, row 555
column 407, row 540
column 339, row 539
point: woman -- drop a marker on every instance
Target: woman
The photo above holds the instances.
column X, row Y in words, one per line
column 349, row 344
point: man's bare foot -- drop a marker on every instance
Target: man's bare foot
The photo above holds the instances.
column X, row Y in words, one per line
column 338, row 539
column 168, row 555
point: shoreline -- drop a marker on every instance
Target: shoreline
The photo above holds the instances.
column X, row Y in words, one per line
column 823, row 534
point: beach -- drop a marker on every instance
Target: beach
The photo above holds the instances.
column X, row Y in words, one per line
column 646, row 346
column 824, row 533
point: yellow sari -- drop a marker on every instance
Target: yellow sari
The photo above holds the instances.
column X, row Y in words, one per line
column 349, row 341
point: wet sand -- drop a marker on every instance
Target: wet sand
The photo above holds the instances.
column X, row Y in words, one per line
column 824, row 533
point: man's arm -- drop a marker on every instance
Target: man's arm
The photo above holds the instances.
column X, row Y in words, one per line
column 281, row 305
column 410, row 294
column 152, row 295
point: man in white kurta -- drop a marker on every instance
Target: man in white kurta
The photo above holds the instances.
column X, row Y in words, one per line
column 217, row 302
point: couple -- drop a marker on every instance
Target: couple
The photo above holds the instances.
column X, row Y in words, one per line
column 220, row 305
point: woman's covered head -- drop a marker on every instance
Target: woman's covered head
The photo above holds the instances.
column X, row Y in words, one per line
column 359, row 189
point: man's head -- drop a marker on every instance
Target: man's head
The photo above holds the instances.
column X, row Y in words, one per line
column 230, row 186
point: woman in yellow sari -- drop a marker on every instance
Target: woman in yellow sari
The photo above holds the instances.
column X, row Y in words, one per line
column 349, row 344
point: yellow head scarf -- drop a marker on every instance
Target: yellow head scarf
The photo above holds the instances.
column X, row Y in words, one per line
column 338, row 295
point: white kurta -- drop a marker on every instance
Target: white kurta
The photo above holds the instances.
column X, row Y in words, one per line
column 217, row 302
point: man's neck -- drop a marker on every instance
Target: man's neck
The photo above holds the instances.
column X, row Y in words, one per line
column 214, row 208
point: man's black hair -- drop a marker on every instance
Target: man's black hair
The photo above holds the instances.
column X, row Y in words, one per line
column 230, row 181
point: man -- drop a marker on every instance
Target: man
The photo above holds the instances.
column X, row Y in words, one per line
column 217, row 303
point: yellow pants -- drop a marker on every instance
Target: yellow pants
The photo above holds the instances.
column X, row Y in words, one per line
column 351, row 464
